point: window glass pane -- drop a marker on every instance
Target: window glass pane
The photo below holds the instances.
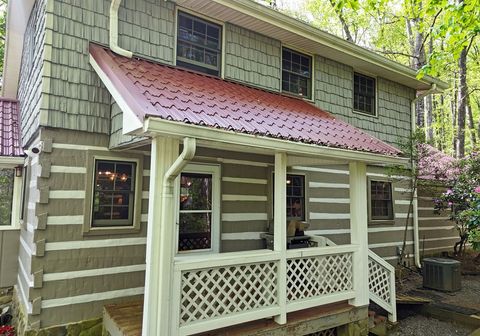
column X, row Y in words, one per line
column 113, row 196
column 296, row 73
column 296, row 196
column 198, row 44
column 381, row 201
column 194, row 231
column 364, row 93
column 195, row 192
column 6, row 194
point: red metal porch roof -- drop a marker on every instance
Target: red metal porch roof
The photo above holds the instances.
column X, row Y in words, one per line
column 9, row 128
column 152, row 89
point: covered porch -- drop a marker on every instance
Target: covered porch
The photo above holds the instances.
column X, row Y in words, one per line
column 192, row 293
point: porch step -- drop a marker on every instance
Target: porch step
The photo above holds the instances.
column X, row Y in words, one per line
column 123, row 319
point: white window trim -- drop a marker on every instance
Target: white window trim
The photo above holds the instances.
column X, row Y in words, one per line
column 16, row 201
column 203, row 17
column 375, row 78
column 214, row 170
column 312, row 84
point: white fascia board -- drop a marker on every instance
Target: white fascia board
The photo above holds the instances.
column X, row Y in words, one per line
column 208, row 136
column 18, row 13
column 11, row 161
column 131, row 123
column 283, row 21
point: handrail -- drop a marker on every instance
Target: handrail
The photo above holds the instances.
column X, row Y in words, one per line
column 321, row 251
column 321, row 241
column 391, row 305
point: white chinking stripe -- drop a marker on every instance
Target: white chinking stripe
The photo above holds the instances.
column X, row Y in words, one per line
column 402, row 202
column 244, row 180
column 65, row 220
column 247, row 198
column 68, row 170
column 23, row 272
column 25, row 245
column 321, row 170
column 328, row 185
column 93, row 272
column 146, row 172
column 426, row 208
column 389, row 244
column 51, row 303
column 441, row 238
column 403, row 215
column 243, row 217
column 450, row 247
column 66, row 194
column 242, row 236
column 432, row 218
column 244, row 162
column 85, row 244
column 79, row 147
column 317, row 215
column 329, row 200
column 403, row 190
column 27, row 304
column 431, row 228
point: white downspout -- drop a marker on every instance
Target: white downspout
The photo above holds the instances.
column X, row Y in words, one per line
column 416, row 238
column 113, row 40
column 189, row 147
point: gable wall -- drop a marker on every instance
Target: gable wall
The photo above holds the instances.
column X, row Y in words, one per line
column 30, row 79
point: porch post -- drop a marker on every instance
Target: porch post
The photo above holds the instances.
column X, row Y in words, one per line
column 359, row 231
column 280, row 232
column 160, row 233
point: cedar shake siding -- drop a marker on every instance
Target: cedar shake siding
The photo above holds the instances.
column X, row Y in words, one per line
column 74, row 97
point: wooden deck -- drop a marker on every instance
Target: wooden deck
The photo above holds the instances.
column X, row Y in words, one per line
column 125, row 319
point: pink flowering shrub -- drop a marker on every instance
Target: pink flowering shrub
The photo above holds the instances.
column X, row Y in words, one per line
column 435, row 165
column 463, row 198
column 7, row 330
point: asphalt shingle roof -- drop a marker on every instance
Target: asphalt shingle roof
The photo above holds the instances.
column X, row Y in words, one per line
column 157, row 90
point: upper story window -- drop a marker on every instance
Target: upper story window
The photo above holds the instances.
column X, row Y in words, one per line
column 381, row 200
column 364, row 94
column 199, row 45
column 296, row 73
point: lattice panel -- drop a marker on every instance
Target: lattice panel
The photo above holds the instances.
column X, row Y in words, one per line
column 318, row 276
column 379, row 280
column 222, row 291
column 327, row 332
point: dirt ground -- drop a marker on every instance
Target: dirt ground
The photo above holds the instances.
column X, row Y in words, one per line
column 419, row 325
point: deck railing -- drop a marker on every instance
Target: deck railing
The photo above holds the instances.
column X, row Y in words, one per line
column 381, row 284
column 220, row 290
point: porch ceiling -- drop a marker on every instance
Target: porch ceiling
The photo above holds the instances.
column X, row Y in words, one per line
column 216, row 110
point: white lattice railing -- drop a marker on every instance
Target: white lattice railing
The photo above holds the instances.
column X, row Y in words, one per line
column 220, row 290
column 381, row 284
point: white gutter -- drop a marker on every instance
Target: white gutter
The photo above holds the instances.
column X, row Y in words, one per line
column 113, row 40
column 416, row 238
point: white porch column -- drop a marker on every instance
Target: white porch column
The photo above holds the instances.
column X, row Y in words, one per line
column 160, row 241
column 359, row 231
column 280, row 232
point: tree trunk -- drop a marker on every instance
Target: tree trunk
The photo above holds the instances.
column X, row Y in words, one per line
column 429, row 107
column 462, row 103
column 471, row 124
column 346, row 28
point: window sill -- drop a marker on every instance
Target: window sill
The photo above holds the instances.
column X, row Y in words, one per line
column 379, row 222
column 98, row 231
column 366, row 114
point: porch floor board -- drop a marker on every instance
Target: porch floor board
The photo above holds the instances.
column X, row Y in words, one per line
column 125, row 319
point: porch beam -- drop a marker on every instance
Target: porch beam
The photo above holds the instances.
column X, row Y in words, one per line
column 359, row 231
column 280, row 232
column 160, row 242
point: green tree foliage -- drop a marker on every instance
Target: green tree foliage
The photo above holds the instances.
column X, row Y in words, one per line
column 3, row 7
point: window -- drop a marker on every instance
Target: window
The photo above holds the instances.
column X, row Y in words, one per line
column 364, row 94
column 381, row 200
column 114, row 193
column 198, row 215
column 296, row 73
column 199, row 44
column 7, row 180
column 296, row 197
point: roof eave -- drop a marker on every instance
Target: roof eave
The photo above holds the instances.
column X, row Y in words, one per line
column 299, row 28
column 155, row 126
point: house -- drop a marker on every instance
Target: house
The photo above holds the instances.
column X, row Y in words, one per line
column 170, row 143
